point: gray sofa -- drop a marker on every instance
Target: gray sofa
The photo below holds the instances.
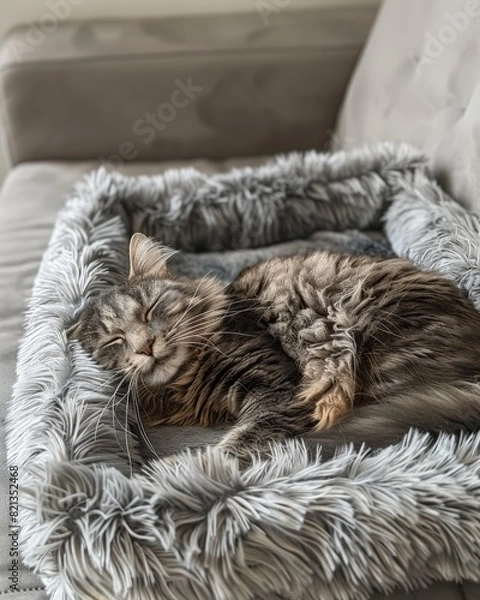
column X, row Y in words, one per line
column 213, row 92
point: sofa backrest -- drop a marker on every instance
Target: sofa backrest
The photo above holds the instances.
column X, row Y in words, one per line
column 419, row 81
column 178, row 88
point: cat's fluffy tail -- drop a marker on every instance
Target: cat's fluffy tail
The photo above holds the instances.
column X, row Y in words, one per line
column 443, row 408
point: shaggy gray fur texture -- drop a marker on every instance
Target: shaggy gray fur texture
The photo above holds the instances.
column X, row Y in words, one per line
column 98, row 524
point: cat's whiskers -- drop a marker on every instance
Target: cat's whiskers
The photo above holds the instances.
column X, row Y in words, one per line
column 187, row 335
column 209, row 342
column 127, row 428
column 118, row 401
column 220, row 310
column 112, row 402
column 138, row 417
column 217, row 311
column 201, row 323
column 209, row 314
column 131, row 389
column 202, row 343
column 84, row 402
column 192, row 344
column 196, row 329
column 115, row 419
column 240, row 334
column 189, row 306
column 203, row 318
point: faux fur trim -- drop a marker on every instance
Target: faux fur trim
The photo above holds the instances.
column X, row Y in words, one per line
column 94, row 525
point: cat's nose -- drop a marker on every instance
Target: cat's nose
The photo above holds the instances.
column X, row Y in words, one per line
column 147, row 348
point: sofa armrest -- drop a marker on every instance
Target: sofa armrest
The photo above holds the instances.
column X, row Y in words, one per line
column 177, row 88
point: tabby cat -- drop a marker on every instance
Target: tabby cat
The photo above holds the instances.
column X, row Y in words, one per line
column 361, row 346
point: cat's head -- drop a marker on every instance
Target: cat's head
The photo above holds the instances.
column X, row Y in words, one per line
column 154, row 323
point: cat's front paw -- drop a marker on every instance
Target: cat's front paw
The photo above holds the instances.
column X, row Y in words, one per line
column 244, row 455
column 247, row 443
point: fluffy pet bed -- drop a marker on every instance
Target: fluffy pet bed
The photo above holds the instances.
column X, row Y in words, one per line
column 99, row 523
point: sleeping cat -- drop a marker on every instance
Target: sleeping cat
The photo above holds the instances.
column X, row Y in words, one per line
column 360, row 346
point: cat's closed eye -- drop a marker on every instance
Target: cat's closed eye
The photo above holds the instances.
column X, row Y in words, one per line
column 149, row 312
column 117, row 340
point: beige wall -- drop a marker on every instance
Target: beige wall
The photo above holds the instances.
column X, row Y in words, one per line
column 14, row 12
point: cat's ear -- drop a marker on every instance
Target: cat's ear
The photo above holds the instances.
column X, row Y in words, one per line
column 148, row 258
